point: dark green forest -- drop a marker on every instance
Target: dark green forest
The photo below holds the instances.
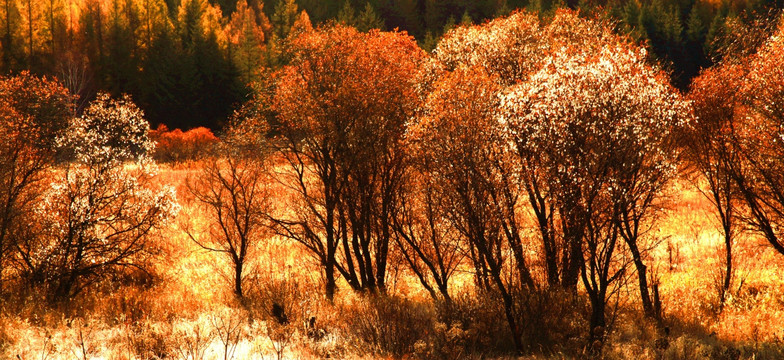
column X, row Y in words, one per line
column 190, row 63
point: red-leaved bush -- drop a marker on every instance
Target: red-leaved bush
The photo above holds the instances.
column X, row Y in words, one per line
column 177, row 145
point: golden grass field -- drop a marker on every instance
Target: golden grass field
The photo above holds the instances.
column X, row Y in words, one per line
column 190, row 311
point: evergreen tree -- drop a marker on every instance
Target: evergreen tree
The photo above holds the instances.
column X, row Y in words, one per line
column 368, row 19
column 246, row 43
column 283, row 18
column 347, row 15
column 120, row 64
column 695, row 28
column 466, row 19
column 9, row 41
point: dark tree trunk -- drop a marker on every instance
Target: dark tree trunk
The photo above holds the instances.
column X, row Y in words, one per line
column 330, row 285
column 543, row 219
column 238, row 279
column 572, row 260
column 642, row 275
column 598, row 321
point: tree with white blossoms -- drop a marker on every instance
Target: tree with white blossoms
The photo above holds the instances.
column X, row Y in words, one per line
column 508, row 47
column 513, row 49
column 602, row 122
column 97, row 216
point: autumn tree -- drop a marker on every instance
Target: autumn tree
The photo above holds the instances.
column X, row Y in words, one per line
column 429, row 243
column 342, row 106
column 233, row 190
column 716, row 96
column 424, row 233
column 34, row 111
column 506, row 47
column 54, row 29
column 153, row 19
column 516, row 49
column 96, row 218
column 10, row 40
column 602, row 122
column 512, row 49
column 458, row 134
column 31, row 33
column 759, row 141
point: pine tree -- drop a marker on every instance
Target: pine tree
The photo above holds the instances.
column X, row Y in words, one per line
column 466, row 19
column 347, row 15
column 368, row 19
column 246, row 42
column 283, row 18
column 11, row 20
column 695, row 28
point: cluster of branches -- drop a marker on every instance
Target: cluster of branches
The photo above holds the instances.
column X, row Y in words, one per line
column 73, row 211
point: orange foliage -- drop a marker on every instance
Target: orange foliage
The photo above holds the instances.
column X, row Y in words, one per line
column 342, row 104
column 177, row 145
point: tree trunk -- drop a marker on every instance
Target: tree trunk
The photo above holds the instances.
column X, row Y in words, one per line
column 539, row 206
column 443, row 289
column 598, row 322
column 30, row 31
column 728, row 270
column 571, row 263
column 238, row 279
column 572, row 260
column 510, row 318
column 7, row 37
column 329, row 273
column 642, row 275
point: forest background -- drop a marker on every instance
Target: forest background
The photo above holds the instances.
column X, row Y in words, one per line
column 189, row 63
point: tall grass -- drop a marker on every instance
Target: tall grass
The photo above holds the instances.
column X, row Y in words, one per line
column 184, row 308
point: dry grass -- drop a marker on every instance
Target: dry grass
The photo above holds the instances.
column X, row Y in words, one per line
column 189, row 312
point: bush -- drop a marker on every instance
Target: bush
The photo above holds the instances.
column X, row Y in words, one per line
column 179, row 146
column 150, row 340
column 388, row 324
column 279, row 301
column 482, row 318
column 95, row 219
column 552, row 322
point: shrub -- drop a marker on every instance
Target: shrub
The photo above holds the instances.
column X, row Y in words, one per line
column 179, row 146
column 278, row 300
column 482, row 318
column 389, row 324
column 551, row 320
column 150, row 340
column 95, row 219
column 193, row 340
